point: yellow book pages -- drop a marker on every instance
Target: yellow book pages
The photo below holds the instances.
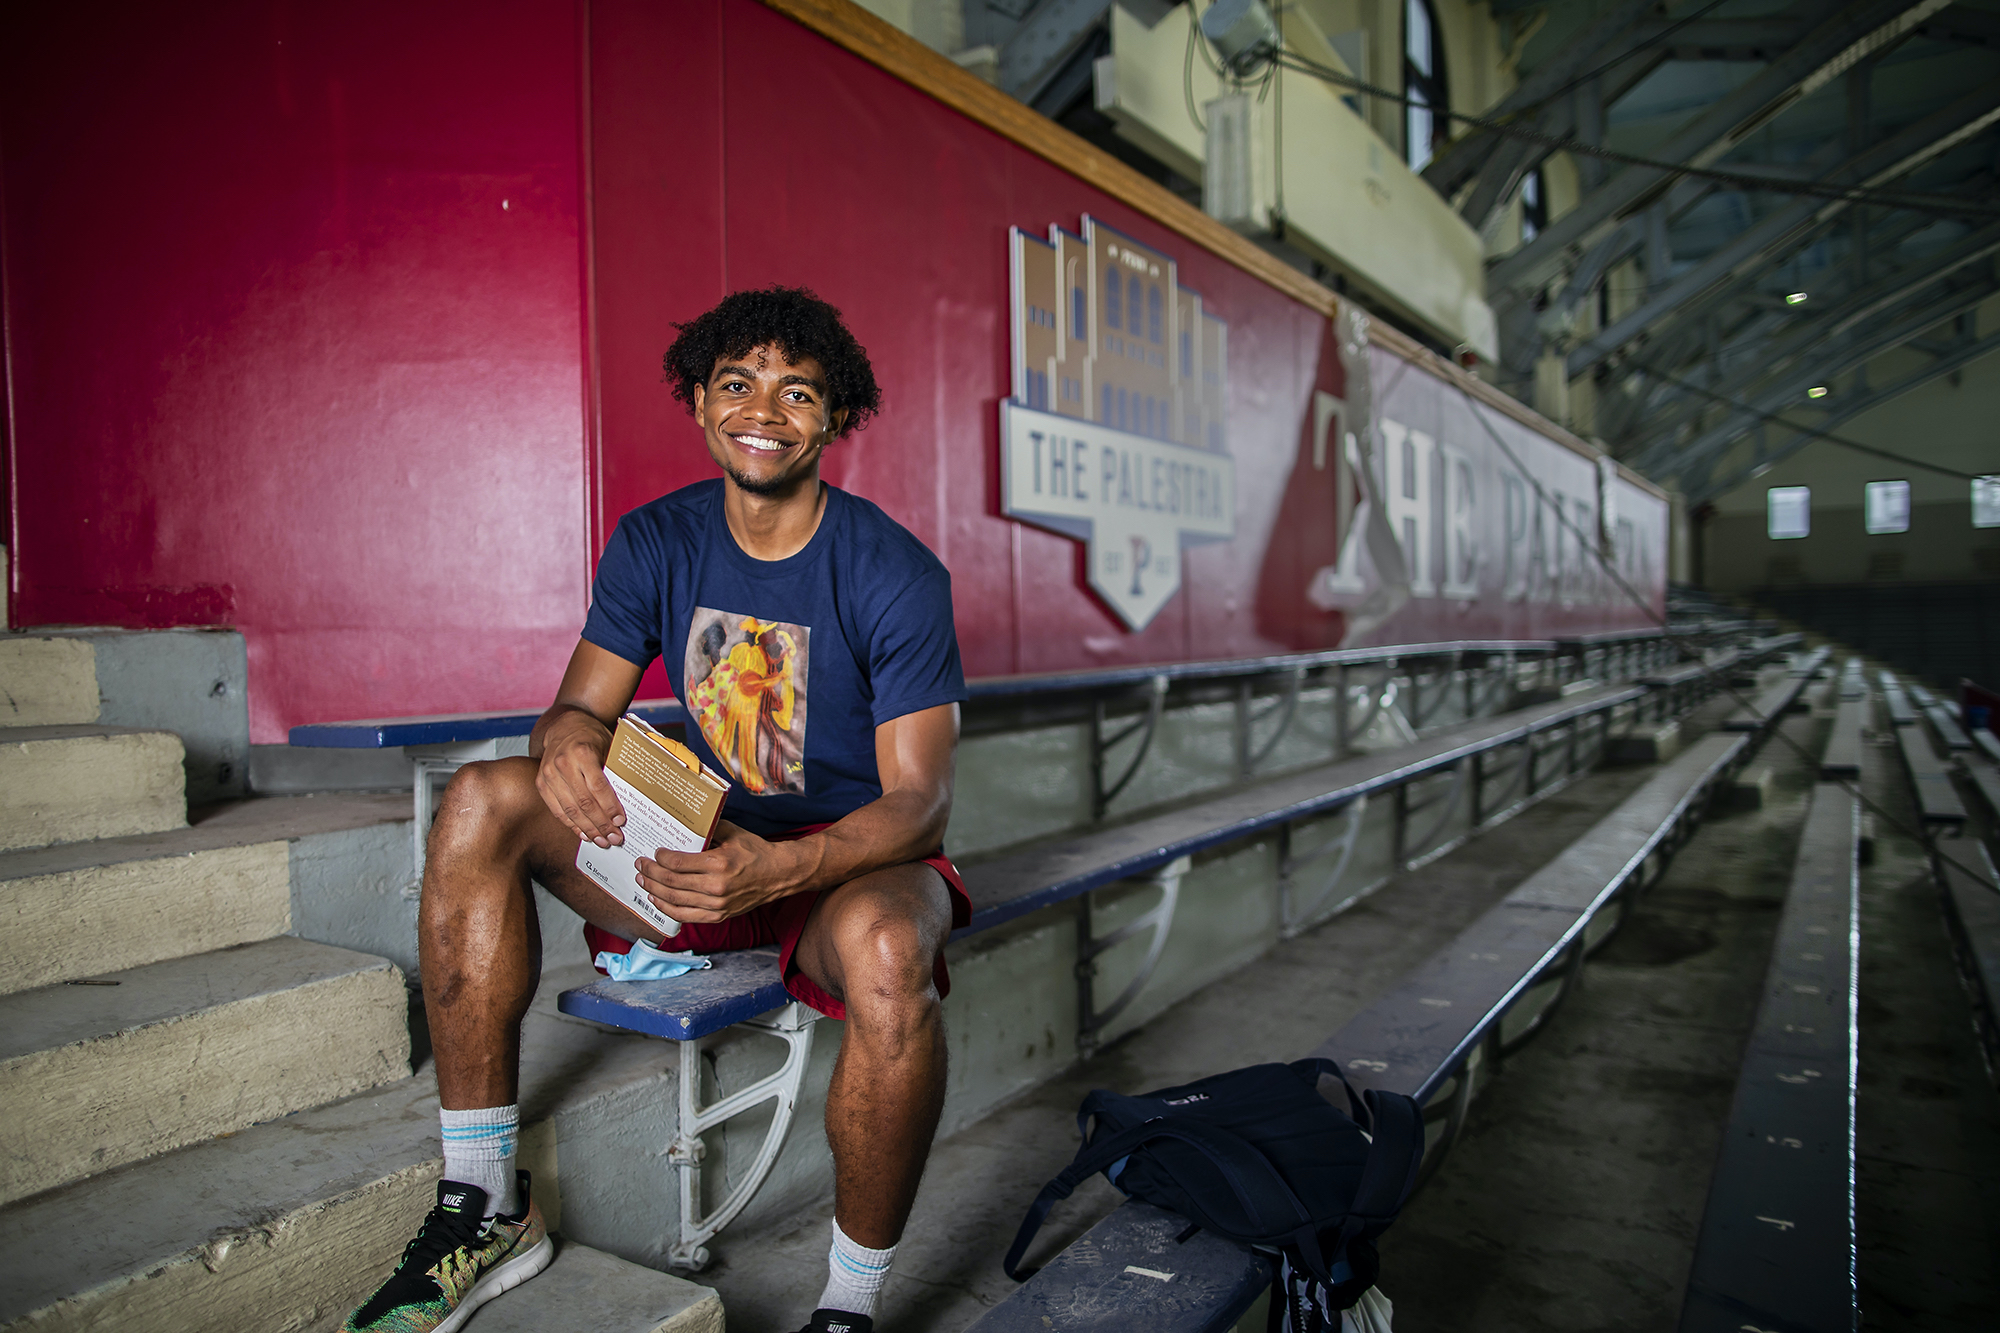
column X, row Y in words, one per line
column 668, row 774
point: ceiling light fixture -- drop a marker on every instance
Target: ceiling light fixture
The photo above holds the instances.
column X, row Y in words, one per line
column 1796, row 298
column 1817, row 391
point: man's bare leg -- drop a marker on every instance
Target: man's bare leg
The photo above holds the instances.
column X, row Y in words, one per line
column 479, row 939
column 872, row 943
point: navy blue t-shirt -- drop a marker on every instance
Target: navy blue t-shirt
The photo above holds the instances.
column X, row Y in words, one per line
column 786, row 666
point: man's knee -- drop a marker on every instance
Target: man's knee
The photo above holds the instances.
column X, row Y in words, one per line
column 887, row 960
column 486, row 807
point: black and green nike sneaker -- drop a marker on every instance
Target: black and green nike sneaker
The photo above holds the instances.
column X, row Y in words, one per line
column 458, row 1262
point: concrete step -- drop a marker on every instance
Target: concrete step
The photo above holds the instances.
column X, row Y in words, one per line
column 95, row 1076
column 192, row 682
column 245, row 871
column 47, row 681
column 586, row 1288
column 291, row 1223
column 77, row 783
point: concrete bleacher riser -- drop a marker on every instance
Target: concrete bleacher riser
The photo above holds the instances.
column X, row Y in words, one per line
column 246, row 873
column 93, row 1077
column 50, row 682
column 77, row 783
column 179, row 1074
column 129, row 913
column 317, row 1205
column 192, row 682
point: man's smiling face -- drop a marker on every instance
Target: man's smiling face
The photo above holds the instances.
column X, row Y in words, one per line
column 766, row 419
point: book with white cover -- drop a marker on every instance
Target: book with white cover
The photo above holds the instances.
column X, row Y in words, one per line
column 672, row 801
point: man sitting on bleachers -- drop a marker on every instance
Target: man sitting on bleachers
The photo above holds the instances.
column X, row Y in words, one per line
column 775, row 600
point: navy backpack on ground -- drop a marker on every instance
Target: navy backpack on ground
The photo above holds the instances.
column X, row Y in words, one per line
column 1258, row 1156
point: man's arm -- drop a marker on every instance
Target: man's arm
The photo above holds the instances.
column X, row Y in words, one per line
column 573, row 737
column 914, row 755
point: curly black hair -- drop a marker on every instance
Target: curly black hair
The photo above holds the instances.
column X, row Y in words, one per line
column 799, row 325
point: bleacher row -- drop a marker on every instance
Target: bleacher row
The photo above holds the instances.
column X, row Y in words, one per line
column 1446, row 1029
column 1777, row 1248
column 1438, row 1036
column 1954, row 784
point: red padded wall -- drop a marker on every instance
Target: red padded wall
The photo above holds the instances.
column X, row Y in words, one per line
column 343, row 325
column 842, row 178
column 294, row 310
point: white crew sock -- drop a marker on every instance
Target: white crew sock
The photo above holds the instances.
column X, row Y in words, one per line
column 479, row 1150
column 855, row 1275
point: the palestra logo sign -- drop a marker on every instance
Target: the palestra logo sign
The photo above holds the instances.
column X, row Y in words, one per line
column 1116, row 434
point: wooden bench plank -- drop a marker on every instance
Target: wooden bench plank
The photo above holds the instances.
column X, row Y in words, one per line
column 1986, row 781
column 1129, row 1274
column 1852, row 684
column 1930, row 778
column 1777, row 1248
column 1901, row 714
column 1411, row 1039
column 1017, row 883
column 1972, row 911
column 1948, row 730
column 1770, row 705
column 1987, row 744
column 1843, row 743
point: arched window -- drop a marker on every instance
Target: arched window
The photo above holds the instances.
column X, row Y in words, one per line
column 1424, row 124
column 1114, row 299
column 1155, row 323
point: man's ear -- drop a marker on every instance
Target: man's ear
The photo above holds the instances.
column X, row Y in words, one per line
column 836, row 422
column 700, row 397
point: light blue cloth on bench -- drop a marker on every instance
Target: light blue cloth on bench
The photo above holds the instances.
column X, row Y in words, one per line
column 645, row 963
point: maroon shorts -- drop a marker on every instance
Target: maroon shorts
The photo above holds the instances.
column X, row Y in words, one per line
column 780, row 923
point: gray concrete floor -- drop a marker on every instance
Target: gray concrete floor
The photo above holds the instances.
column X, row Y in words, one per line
column 1573, row 1200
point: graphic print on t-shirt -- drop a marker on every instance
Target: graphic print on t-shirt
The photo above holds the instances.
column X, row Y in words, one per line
column 746, row 687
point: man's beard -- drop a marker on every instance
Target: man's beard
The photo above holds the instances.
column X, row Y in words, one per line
column 760, row 486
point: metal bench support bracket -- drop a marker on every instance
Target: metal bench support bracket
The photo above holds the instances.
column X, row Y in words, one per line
column 792, row 1025
column 1090, row 1020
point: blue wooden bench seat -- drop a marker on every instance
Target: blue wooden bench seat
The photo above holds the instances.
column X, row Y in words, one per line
column 1776, row 1247
column 1434, row 1036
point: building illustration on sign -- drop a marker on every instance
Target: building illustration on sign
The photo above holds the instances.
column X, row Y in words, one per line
column 1117, row 430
